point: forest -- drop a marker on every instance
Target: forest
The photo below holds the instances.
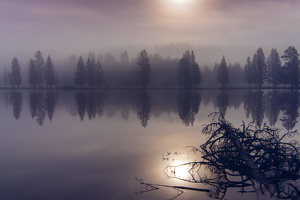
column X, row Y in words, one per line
column 155, row 71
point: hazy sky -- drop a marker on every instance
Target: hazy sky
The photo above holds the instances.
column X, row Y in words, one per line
column 76, row 26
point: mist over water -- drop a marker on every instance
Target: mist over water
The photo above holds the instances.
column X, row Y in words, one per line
column 94, row 142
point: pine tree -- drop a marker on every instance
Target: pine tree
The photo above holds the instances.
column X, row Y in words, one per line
column 49, row 72
column 248, row 71
column 291, row 58
column 143, row 71
column 188, row 71
column 80, row 73
column 273, row 68
column 124, row 59
column 195, row 72
column 40, row 67
column 261, row 67
column 184, row 70
column 16, row 77
column 90, row 73
column 223, row 75
column 32, row 74
column 5, row 78
column 254, row 69
column 99, row 74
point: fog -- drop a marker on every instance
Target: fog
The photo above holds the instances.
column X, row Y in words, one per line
column 212, row 28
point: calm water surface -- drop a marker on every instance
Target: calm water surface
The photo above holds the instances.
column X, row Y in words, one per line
column 92, row 144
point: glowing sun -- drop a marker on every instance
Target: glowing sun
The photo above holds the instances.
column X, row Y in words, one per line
column 179, row 2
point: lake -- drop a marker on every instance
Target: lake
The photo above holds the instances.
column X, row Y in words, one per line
column 99, row 144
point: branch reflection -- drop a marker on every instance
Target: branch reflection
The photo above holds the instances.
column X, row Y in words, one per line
column 251, row 158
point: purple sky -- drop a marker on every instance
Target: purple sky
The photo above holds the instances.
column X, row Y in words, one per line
column 76, row 26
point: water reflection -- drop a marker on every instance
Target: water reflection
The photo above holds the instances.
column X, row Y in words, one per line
column 255, row 104
column 41, row 104
column 222, row 102
column 253, row 159
column 143, row 106
column 289, row 107
column 259, row 105
column 188, row 103
column 90, row 103
column 16, row 99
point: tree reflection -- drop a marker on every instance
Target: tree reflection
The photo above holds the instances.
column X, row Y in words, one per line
column 50, row 101
column 222, row 103
column 188, row 103
column 290, row 110
column 255, row 104
column 16, row 100
column 90, row 103
column 251, row 158
column 80, row 103
column 273, row 108
column 143, row 106
column 37, row 107
column 40, row 105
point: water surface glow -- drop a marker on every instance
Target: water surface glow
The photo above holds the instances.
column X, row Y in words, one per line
column 51, row 149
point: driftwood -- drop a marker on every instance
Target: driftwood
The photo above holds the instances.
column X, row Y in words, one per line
column 256, row 158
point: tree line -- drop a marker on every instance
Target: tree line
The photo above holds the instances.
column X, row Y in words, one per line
column 155, row 71
column 38, row 73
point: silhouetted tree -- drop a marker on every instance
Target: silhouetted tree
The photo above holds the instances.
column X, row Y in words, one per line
column 143, row 71
column 40, row 67
column 188, row 71
column 259, row 62
column 249, row 159
column 291, row 58
column 49, row 73
column 273, row 68
column 236, row 73
column 223, row 76
column 91, row 56
column 99, row 74
column 143, row 105
column 5, row 78
column 32, row 74
column 90, row 73
column 124, row 60
column 254, row 69
column 80, row 74
column 195, row 72
column 248, row 72
column 15, row 75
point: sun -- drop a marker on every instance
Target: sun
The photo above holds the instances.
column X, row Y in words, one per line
column 179, row 2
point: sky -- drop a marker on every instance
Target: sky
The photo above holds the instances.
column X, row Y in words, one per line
column 64, row 27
